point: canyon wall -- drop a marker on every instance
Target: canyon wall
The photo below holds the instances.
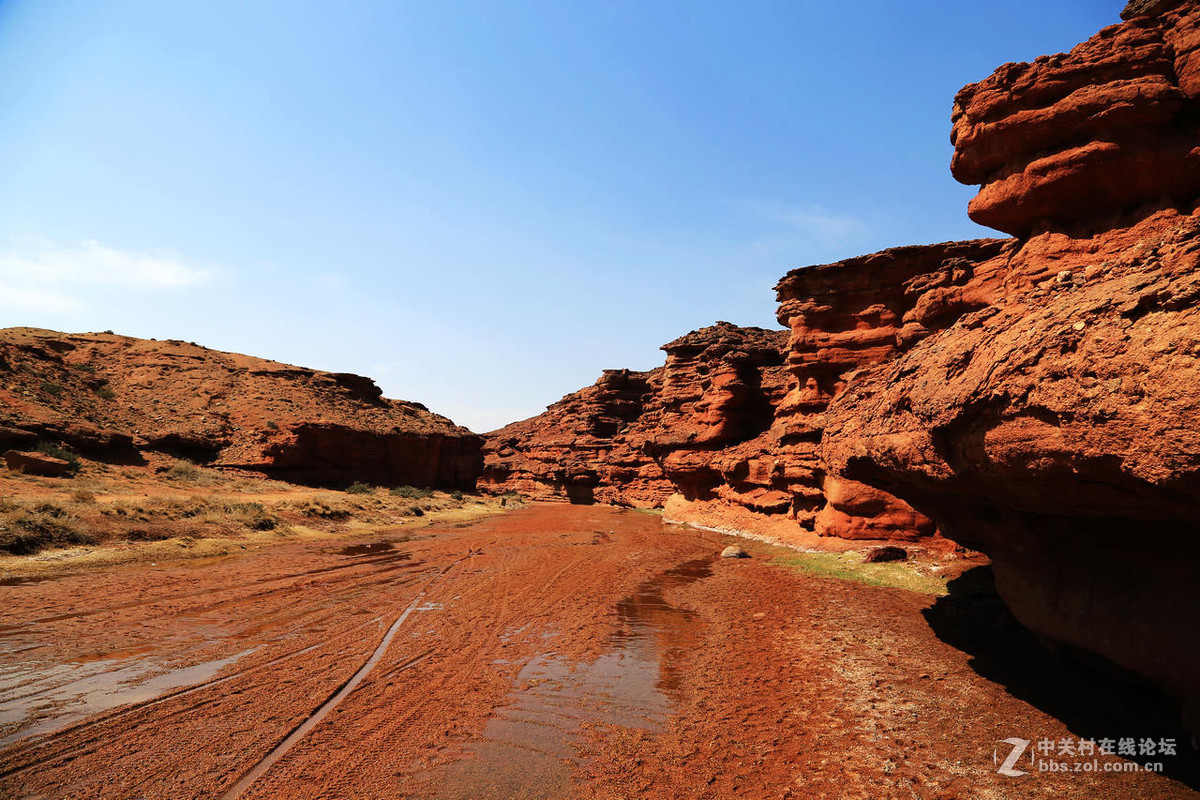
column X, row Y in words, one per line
column 123, row 399
column 727, row 432
column 1054, row 426
column 1035, row 398
column 634, row 438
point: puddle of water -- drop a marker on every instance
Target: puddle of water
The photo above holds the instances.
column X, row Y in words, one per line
column 371, row 549
column 66, row 693
column 30, row 579
column 527, row 748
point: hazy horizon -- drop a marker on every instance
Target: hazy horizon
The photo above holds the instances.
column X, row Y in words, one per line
column 479, row 207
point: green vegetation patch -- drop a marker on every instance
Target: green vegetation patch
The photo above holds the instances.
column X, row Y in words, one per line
column 55, row 451
column 412, row 492
column 850, row 567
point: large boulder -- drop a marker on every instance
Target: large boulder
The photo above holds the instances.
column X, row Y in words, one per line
column 36, row 463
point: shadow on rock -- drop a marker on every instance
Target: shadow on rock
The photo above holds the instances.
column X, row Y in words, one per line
column 1092, row 697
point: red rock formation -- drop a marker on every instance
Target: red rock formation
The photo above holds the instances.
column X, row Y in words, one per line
column 118, row 397
column 578, row 450
column 1055, row 430
column 708, row 432
column 36, row 463
column 1053, row 423
column 634, row 437
column 1104, row 129
column 848, row 317
column 1034, row 398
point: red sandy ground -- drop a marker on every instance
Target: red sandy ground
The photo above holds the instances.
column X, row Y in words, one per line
column 799, row 686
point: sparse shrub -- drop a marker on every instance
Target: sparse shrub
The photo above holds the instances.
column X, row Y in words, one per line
column 27, row 531
column 125, row 510
column 187, row 472
column 272, row 425
column 83, row 496
column 105, row 392
column 416, row 511
column 55, row 451
column 147, row 535
column 51, row 510
column 254, row 516
column 184, row 507
column 412, row 492
column 85, row 367
column 358, row 487
column 456, row 494
column 319, row 510
column 52, row 389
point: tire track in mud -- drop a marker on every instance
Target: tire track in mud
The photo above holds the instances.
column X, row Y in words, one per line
column 132, row 711
column 271, row 618
column 358, row 563
column 293, row 738
column 533, row 587
column 38, row 750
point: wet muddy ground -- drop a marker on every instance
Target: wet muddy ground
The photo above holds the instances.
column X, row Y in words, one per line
column 551, row 652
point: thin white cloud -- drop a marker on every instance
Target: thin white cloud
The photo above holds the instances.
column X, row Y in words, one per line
column 47, row 280
column 791, row 228
column 42, row 301
column 820, row 224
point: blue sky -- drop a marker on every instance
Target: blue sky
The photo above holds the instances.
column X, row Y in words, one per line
column 479, row 204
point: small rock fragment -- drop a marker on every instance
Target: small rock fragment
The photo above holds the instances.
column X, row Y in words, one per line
column 733, row 551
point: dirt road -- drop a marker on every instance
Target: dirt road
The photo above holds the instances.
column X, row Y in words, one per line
column 551, row 652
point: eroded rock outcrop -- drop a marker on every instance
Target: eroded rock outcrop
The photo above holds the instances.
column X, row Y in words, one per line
column 1055, row 430
column 121, row 398
column 1076, row 137
column 579, row 449
column 846, row 318
column 633, row 437
column 726, row 433
column 1053, row 423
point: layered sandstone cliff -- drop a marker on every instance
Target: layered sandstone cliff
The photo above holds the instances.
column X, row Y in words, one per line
column 1035, row 398
column 633, row 437
column 727, row 432
column 1074, row 138
column 120, row 398
column 1054, row 424
column 846, row 318
column 578, row 451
